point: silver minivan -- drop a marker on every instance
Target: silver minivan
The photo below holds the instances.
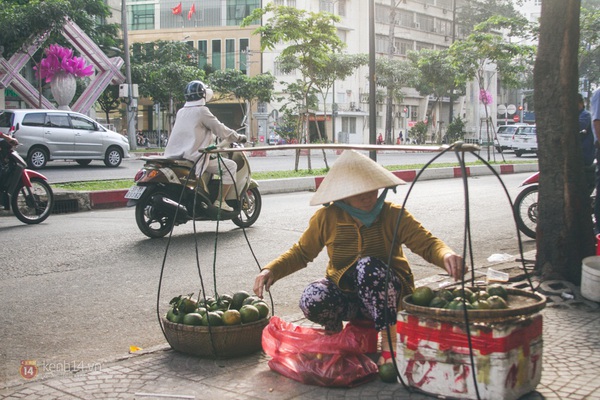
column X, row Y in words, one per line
column 46, row 135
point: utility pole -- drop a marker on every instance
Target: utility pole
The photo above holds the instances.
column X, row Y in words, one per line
column 131, row 106
column 372, row 87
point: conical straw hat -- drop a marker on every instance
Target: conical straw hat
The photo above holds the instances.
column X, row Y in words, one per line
column 352, row 174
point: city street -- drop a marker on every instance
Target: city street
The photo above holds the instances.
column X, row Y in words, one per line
column 276, row 160
column 81, row 288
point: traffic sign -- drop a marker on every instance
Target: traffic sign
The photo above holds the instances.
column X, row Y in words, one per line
column 511, row 109
column 516, row 118
column 501, row 109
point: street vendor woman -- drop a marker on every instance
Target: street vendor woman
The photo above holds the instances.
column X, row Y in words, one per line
column 357, row 227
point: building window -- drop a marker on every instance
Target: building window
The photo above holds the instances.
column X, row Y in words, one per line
column 202, row 53
column 421, row 46
column 404, row 18
column 216, row 54
column 342, row 8
column 349, row 124
column 342, row 35
column 425, row 23
column 142, row 17
column 402, row 46
column 237, row 10
column 244, row 50
column 230, row 54
column 326, row 6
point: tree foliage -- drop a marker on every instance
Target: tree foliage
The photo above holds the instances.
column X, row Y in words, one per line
column 245, row 89
column 23, row 20
column 162, row 69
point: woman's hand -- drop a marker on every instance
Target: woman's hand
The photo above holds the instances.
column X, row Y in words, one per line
column 454, row 266
column 263, row 282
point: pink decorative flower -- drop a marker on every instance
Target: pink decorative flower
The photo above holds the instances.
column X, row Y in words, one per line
column 485, row 97
column 60, row 59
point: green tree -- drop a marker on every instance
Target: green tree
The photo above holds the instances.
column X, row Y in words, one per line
column 109, row 101
column 472, row 57
column 392, row 75
column 245, row 89
column 589, row 49
column 162, row 69
column 436, row 75
column 338, row 67
column 564, row 230
column 310, row 38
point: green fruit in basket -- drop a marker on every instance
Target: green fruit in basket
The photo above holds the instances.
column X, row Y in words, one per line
column 250, row 300
column 238, row 299
column 459, row 292
column 249, row 313
column 446, row 295
column 481, row 304
column 422, row 296
column 187, row 304
column 459, row 304
column 174, row 316
column 387, row 373
column 497, row 290
column 201, row 310
column 213, row 318
column 438, row 302
column 263, row 309
column 192, row 319
column 497, row 303
column 479, row 295
column 232, row 317
column 226, row 297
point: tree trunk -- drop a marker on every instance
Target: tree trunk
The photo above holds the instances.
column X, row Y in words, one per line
column 564, row 229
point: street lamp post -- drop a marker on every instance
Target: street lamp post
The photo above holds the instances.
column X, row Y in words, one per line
column 130, row 100
column 372, row 88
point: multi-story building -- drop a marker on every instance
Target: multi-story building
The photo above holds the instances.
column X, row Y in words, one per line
column 212, row 27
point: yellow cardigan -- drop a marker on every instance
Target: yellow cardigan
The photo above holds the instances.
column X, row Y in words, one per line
column 347, row 241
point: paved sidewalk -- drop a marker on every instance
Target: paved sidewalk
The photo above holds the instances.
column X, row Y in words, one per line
column 571, row 366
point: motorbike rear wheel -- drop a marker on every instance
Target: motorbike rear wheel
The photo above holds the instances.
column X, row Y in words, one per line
column 32, row 205
column 251, row 206
column 153, row 221
column 526, row 210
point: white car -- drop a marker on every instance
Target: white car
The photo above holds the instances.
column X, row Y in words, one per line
column 46, row 135
column 525, row 141
column 505, row 135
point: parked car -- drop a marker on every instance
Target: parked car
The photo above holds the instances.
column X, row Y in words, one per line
column 525, row 141
column 505, row 135
column 46, row 135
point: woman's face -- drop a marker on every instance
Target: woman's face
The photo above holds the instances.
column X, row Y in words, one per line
column 364, row 201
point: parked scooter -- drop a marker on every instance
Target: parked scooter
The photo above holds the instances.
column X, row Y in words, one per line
column 24, row 191
column 167, row 193
column 526, row 204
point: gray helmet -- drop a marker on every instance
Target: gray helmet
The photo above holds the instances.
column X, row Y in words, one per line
column 195, row 90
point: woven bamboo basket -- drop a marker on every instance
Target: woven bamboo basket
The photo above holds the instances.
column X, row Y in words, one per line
column 217, row 341
column 521, row 304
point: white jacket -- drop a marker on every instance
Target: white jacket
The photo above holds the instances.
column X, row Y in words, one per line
column 194, row 128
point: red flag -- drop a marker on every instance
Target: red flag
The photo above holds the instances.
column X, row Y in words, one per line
column 192, row 11
column 176, row 10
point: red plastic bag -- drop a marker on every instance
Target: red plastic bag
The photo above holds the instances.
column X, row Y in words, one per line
column 310, row 356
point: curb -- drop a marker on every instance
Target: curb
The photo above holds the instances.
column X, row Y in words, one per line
column 106, row 199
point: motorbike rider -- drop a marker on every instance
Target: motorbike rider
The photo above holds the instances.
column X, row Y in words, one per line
column 13, row 143
column 194, row 128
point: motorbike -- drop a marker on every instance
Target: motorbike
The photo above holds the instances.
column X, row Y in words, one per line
column 525, row 206
column 167, row 193
column 24, row 191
